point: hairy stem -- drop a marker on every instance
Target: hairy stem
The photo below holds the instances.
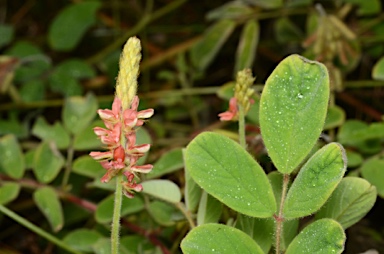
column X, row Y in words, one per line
column 279, row 218
column 116, row 214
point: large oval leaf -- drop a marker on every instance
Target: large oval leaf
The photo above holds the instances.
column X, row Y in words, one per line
column 213, row 238
column 316, row 181
column 71, row 23
column 293, row 107
column 49, row 204
column 321, row 237
column 350, row 202
column 227, row 172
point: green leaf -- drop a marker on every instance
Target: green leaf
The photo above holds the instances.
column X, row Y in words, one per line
column 104, row 210
column 48, row 202
column 246, row 49
column 213, row 238
column 86, row 166
column 230, row 10
column 86, row 139
column 9, row 192
column 267, row 4
column 287, row 32
column 13, row 126
column 47, row 162
column 162, row 213
column 65, row 77
column 378, row 70
column 209, row 209
column 335, row 118
column 354, row 159
column 321, row 237
column 71, row 23
column 260, row 230
column 203, row 53
column 78, row 112
column 163, row 189
column 135, row 243
column 192, row 192
column 82, row 239
column 315, row 182
column 33, row 90
column 6, row 32
column 227, row 172
column 168, row 163
column 350, row 202
column 373, row 171
column 11, row 157
column 51, row 133
column 102, row 246
column 293, row 107
column 36, row 63
column 366, row 7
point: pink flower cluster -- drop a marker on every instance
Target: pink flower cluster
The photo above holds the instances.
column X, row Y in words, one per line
column 120, row 139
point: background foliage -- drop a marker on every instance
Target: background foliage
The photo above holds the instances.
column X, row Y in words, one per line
column 58, row 64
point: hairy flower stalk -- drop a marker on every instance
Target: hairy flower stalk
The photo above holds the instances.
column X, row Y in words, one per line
column 240, row 103
column 242, row 97
column 119, row 136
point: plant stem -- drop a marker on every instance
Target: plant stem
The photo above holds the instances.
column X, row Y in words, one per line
column 242, row 140
column 36, row 229
column 280, row 219
column 186, row 213
column 116, row 214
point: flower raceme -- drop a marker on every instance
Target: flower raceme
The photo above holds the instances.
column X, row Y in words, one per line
column 120, row 140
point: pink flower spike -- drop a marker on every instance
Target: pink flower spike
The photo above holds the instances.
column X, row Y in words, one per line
column 142, row 169
column 101, row 155
column 231, row 114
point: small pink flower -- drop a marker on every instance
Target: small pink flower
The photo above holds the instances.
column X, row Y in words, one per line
column 130, row 185
column 231, row 114
column 111, row 116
